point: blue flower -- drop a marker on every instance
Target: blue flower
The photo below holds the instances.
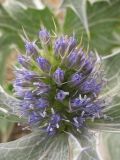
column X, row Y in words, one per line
column 55, row 119
column 34, row 118
column 60, row 96
column 28, row 95
column 78, row 122
column 59, row 91
column 91, row 86
column 41, row 103
column 44, row 36
column 24, row 61
column 41, row 88
column 44, row 64
column 72, row 43
column 79, row 102
column 77, row 78
column 60, row 46
column 27, row 75
column 30, row 48
column 58, row 76
column 73, row 58
column 63, row 44
column 94, row 109
column 54, row 124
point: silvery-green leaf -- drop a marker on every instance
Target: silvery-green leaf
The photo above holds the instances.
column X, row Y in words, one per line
column 79, row 7
column 86, row 145
column 8, row 101
column 39, row 146
column 16, row 6
column 37, row 4
column 103, row 21
column 36, row 146
column 9, row 107
column 94, row 1
column 109, row 145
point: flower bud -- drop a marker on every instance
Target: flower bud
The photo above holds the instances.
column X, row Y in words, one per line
column 24, row 61
column 30, row 48
column 73, row 58
column 44, row 36
column 58, row 76
column 76, row 78
column 44, row 64
column 72, row 43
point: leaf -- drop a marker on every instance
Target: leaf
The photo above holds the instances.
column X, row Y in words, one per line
column 79, row 7
column 36, row 146
column 109, row 145
column 87, row 146
column 14, row 16
column 8, row 101
column 9, row 107
column 6, row 41
column 103, row 21
column 39, row 146
column 31, row 3
column 6, row 128
column 28, row 18
column 94, row 1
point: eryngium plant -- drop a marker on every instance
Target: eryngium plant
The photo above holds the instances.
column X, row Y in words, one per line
column 59, row 85
column 64, row 95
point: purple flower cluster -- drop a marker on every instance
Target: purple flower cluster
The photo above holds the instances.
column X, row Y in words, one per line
column 59, row 89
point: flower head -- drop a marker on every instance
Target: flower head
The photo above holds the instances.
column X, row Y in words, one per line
column 59, row 90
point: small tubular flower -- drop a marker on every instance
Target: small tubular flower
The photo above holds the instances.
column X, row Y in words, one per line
column 76, row 78
column 58, row 76
column 60, row 90
column 54, row 124
column 44, row 36
column 64, row 44
column 60, row 96
column 30, row 48
column 44, row 64
column 24, row 61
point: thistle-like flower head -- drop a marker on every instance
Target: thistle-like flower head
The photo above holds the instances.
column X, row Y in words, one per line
column 59, row 84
